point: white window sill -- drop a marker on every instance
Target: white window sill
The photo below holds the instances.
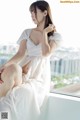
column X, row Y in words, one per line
column 61, row 107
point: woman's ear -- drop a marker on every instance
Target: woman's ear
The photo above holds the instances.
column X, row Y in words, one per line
column 45, row 12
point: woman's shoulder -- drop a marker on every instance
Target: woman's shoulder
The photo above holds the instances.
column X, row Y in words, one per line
column 24, row 35
column 56, row 36
column 28, row 29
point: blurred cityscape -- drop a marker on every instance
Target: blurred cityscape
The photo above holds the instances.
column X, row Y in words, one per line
column 6, row 52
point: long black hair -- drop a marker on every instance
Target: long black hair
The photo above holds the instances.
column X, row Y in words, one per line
column 43, row 5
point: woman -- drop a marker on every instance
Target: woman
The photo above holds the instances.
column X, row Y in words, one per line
column 36, row 46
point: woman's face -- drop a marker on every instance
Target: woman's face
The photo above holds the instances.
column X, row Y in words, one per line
column 38, row 17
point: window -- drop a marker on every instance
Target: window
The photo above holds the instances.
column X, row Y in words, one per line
column 65, row 71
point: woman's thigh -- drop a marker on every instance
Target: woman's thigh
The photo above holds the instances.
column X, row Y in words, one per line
column 11, row 76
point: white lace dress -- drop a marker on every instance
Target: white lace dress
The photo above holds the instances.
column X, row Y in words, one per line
column 24, row 102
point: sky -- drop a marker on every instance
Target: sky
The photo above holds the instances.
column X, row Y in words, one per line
column 15, row 17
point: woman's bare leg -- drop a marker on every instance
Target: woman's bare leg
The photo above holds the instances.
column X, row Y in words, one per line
column 11, row 76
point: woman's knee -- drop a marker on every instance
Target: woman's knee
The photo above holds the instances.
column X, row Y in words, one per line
column 17, row 71
column 13, row 71
column 14, row 68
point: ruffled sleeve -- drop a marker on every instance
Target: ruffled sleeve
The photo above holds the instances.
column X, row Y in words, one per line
column 56, row 37
column 24, row 36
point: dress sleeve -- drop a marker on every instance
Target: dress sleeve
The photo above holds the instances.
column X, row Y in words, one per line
column 56, row 37
column 24, row 36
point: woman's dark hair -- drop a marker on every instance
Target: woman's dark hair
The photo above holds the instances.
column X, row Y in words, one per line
column 43, row 5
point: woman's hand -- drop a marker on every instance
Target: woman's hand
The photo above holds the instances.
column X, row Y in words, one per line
column 50, row 28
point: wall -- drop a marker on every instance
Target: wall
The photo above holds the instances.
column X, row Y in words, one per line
column 61, row 107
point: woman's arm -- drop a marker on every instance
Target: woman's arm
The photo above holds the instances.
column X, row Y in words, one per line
column 48, row 47
column 18, row 56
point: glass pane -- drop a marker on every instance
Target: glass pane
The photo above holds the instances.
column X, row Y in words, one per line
column 6, row 52
column 65, row 71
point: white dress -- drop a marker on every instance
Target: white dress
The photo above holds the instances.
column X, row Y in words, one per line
column 24, row 102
